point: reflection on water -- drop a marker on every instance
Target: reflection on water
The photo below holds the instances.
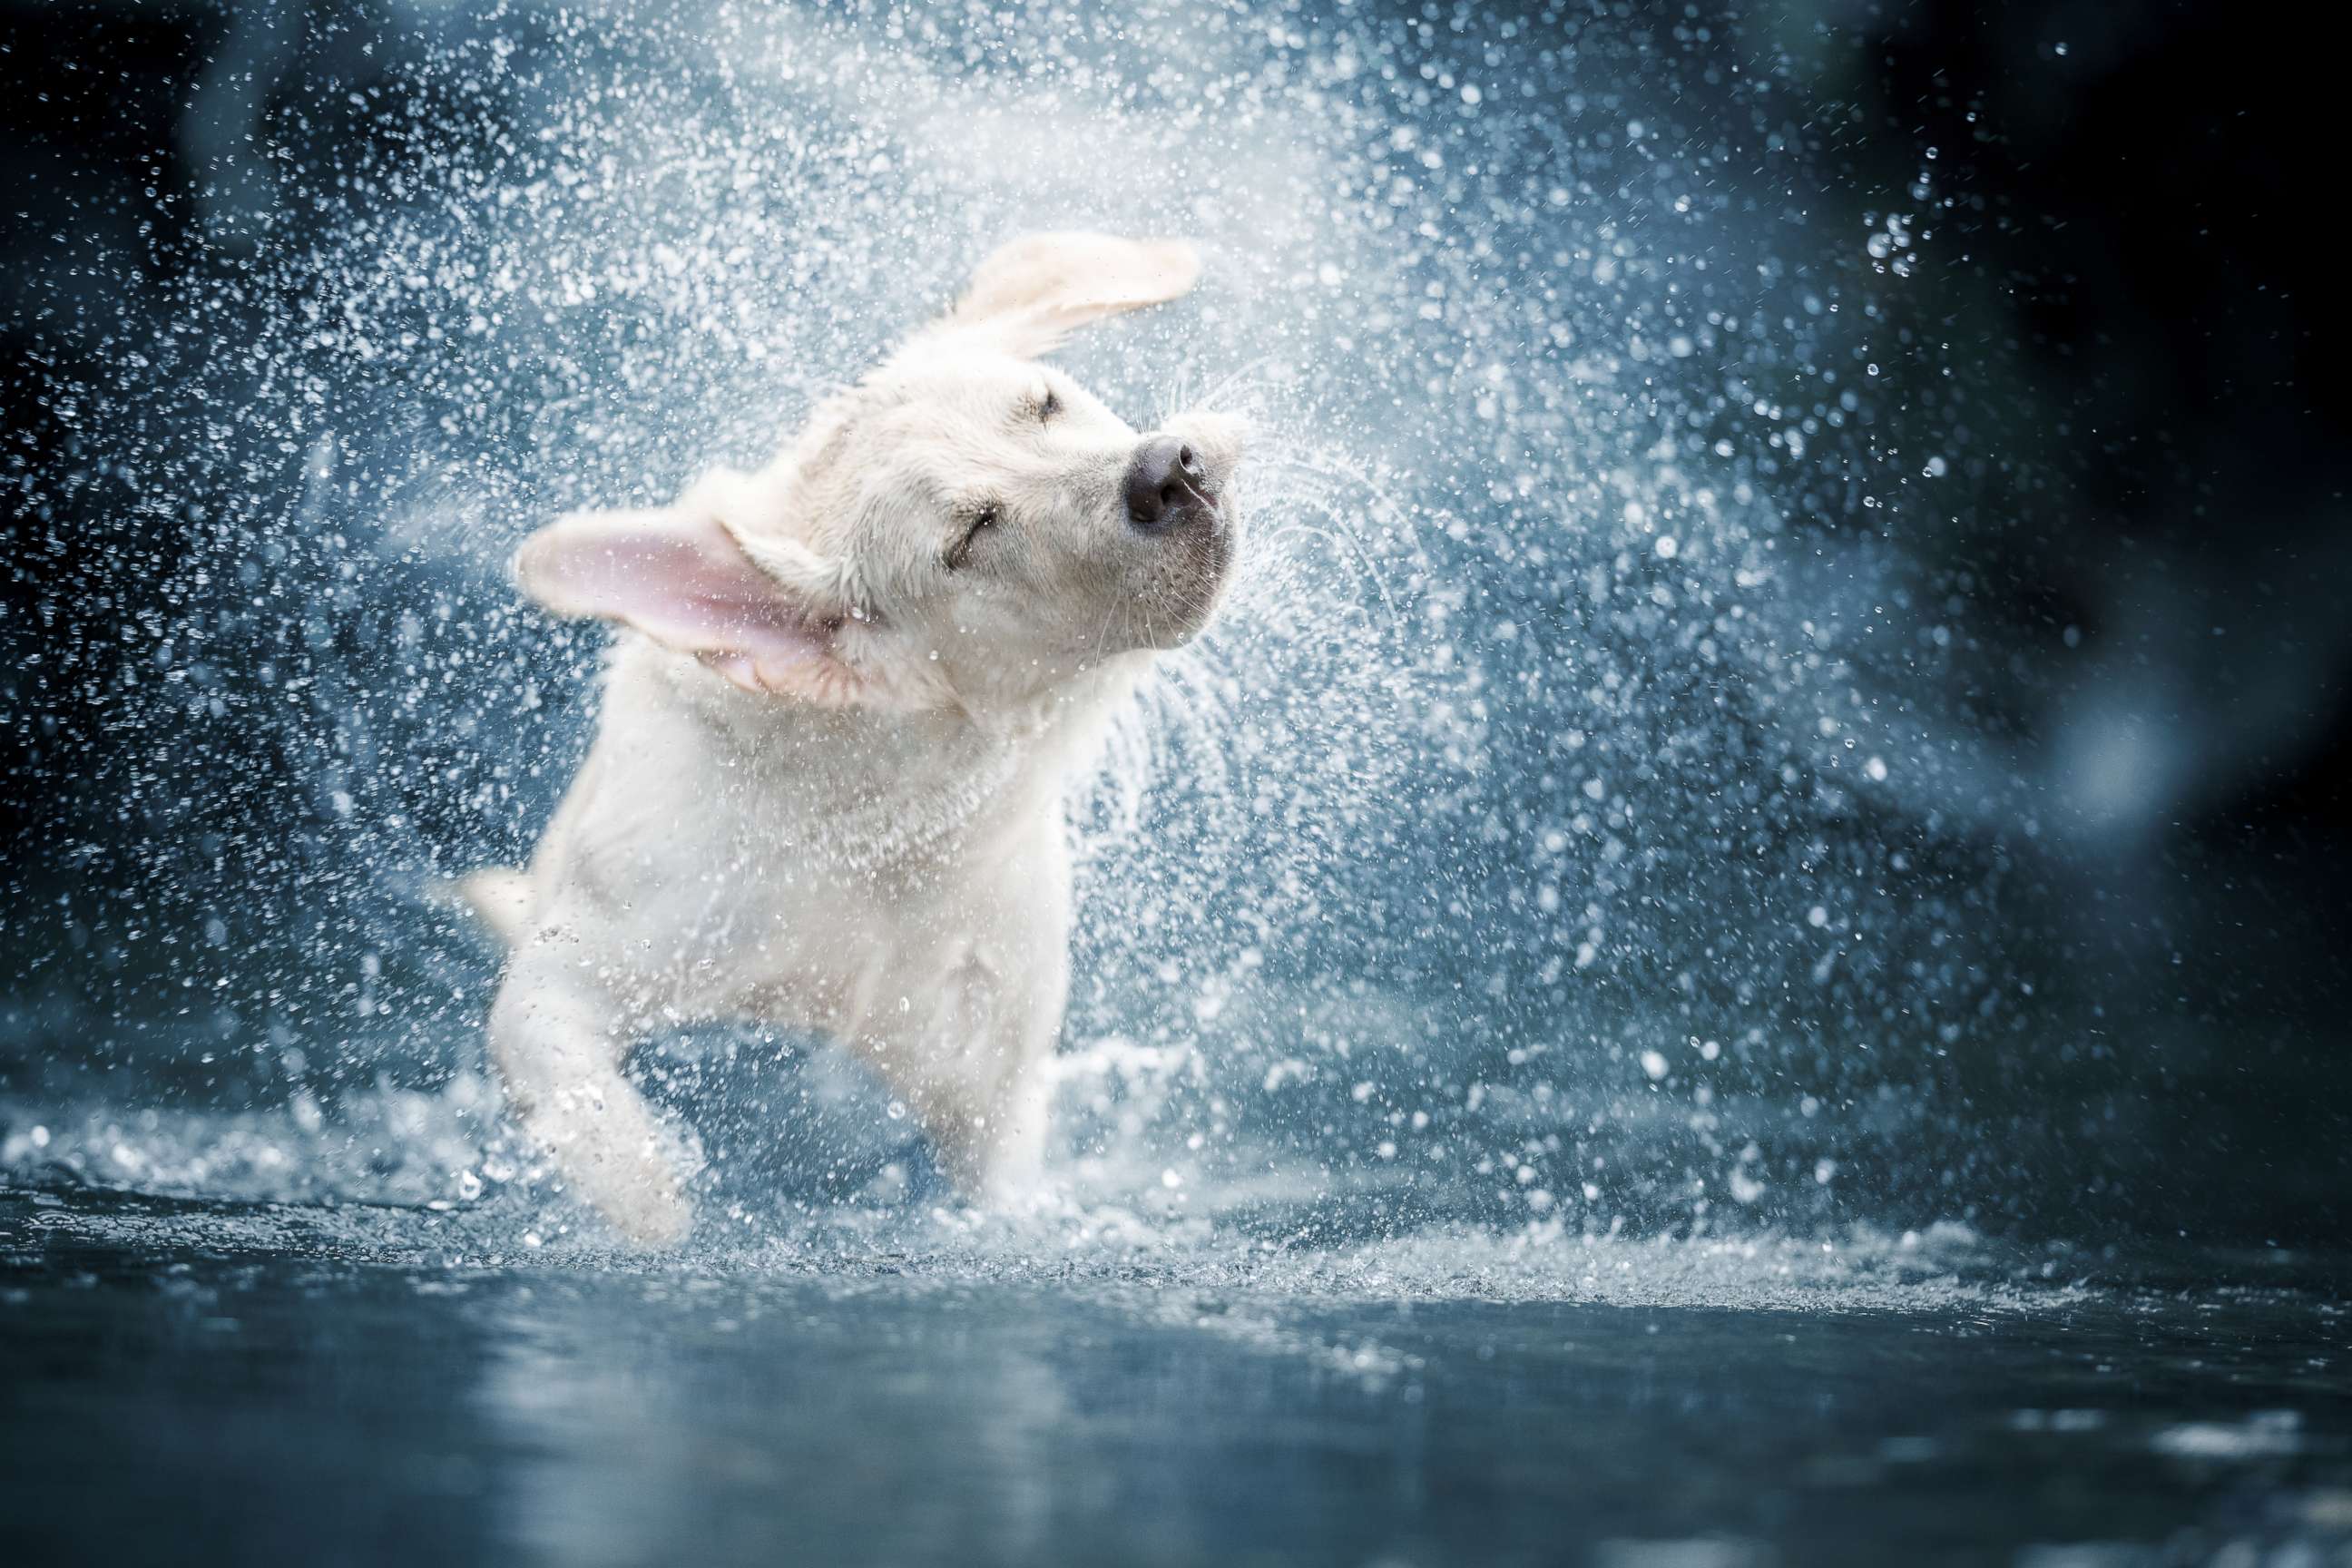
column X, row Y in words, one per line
column 363, row 1385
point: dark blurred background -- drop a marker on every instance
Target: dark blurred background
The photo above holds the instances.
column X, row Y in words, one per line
column 2156, row 559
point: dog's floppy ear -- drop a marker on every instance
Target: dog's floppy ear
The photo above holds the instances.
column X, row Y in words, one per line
column 1033, row 292
column 765, row 613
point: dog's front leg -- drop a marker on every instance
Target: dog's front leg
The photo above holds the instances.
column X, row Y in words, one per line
column 974, row 1069
column 558, row 1038
column 991, row 1135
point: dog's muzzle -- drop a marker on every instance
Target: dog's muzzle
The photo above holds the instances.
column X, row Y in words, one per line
column 1167, row 487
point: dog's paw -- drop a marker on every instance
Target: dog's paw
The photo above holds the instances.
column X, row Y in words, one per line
column 636, row 1191
column 652, row 1214
column 616, row 1156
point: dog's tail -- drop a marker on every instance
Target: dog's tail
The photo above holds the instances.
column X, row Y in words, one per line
column 499, row 898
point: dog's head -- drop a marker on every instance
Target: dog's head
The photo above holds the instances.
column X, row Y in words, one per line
column 966, row 526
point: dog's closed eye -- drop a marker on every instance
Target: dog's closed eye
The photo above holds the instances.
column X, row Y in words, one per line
column 979, row 521
column 1049, row 404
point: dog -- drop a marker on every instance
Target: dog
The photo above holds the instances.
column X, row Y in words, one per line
column 849, row 697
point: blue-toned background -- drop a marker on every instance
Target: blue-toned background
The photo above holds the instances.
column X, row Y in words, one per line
column 1792, row 671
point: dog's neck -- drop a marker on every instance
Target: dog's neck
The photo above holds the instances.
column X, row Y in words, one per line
column 866, row 788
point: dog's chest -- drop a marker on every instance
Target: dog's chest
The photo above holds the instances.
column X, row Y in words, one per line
column 798, row 867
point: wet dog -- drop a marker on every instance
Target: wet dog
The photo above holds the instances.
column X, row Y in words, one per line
column 850, row 693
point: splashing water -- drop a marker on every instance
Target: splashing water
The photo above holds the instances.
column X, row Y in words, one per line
column 1614, row 976
column 1584, row 821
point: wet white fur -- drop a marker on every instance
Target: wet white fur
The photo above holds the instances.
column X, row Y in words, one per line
column 828, row 788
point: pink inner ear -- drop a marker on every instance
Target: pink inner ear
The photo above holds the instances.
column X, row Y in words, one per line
column 681, row 580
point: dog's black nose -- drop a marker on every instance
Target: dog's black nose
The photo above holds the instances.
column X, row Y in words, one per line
column 1166, row 484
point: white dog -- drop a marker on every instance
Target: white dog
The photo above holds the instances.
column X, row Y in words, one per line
column 851, row 692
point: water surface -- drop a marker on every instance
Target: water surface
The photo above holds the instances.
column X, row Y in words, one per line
column 204, row 1382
